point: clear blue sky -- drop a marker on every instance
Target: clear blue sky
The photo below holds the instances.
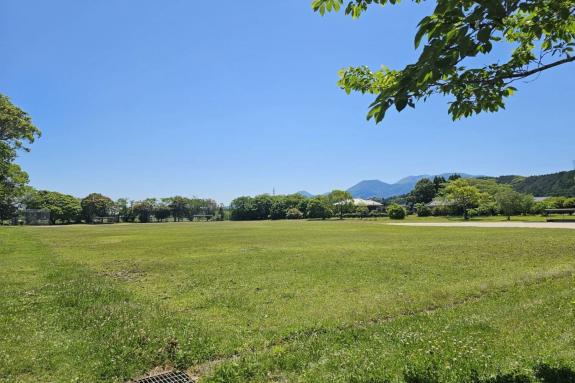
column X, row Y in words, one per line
column 219, row 99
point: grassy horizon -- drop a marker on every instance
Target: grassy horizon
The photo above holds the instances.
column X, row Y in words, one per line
column 285, row 301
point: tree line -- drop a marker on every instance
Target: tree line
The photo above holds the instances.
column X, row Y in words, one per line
column 475, row 197
column 293, row 206
column 66, row 209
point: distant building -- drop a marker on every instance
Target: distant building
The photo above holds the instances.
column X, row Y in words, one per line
column 539, row 199
column 371, row 205
column 37, row 217
column 439, row 202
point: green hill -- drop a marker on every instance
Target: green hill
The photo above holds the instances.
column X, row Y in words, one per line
column 556, row 184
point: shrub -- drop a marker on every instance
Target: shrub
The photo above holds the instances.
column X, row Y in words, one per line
column 396, row 212
column 278, row 210
column 318, row 207
column 422, row 210
column 294, row 213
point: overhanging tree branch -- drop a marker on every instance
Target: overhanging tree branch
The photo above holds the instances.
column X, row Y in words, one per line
column 541, row 68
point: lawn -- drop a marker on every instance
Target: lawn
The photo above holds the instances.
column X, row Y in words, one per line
column 307, row 301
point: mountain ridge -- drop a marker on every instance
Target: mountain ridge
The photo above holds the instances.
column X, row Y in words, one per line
column 380, row 189
column 552, row 184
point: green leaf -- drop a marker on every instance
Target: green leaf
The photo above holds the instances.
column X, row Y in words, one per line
column 484, row 34
column 400, row 103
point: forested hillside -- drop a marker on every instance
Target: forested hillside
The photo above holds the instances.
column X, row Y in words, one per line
column 556, row 184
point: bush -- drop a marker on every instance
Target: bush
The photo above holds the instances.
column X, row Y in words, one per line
column 278, row 210
column 318, row 207
column 294, row 213
column 396, row 212
column 422, row 210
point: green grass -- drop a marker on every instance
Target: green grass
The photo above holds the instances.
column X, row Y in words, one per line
column 334, row 301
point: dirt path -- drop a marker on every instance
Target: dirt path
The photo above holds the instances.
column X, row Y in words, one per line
column 533, row 225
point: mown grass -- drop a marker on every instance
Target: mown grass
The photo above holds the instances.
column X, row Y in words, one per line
column 330, row 301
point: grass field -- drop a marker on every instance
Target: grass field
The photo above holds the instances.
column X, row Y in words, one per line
column 350, row 301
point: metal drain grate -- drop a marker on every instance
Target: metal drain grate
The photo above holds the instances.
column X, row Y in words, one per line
column 169, row 377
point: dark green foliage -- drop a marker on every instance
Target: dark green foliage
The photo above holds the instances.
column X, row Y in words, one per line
column 221, row 214
column 454, row 177
column 96, row 205
column 143, row 210
column 179, row 206
column 424, row 191
column 556, row 184
column 63, row 208
column 265, row 206
column 13, row 181
column 318, row 207
column 16, row 129
column 538, row 34
column 439, row 182
column 395, row 211
column 243, row 209
column 162, row 212
column 278, row 209
column 422, row 210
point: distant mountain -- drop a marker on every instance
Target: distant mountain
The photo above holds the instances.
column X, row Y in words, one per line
column 556, row 184
column 305, row 194
column 377, row 188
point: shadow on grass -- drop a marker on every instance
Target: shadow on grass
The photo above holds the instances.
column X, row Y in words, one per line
column 542, row 373
column 549, row 374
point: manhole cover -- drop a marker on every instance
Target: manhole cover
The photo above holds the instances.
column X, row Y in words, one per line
column 168, row 377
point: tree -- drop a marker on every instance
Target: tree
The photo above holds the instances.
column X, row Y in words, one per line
column 509, row 202
column 462, row 195
column 318, row 207
column 96, row 205
column 394, row 211
column 439, row 182
column 538, row 33
column 13, row 181
column 341, row 202
column 278, row 208
column 124, row 210
column 221, row 213
column 16, row 130
column 144, row 209
column 243, row 208
column 162, row 211
column 424, row 191
column 454, row 177
column 527, row 202
column 179, row 206
column 263, row 205
column 62, row 207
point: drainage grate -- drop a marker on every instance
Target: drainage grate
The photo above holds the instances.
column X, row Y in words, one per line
column 169, row 377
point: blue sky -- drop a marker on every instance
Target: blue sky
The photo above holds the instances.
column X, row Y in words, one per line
column 221, row 99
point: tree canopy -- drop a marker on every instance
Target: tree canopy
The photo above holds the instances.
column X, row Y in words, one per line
column 537, row 34
column 16, row 130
